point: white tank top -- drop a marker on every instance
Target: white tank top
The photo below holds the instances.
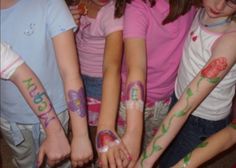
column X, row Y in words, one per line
column 197, row 51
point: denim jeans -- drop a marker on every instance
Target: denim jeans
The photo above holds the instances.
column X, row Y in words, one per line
column 194, row 131
column 93, row 86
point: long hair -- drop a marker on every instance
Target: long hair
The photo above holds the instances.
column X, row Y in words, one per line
column 120, row 8
column 177, row 9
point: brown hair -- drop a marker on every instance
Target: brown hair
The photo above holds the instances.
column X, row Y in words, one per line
column 177, row 8
column 120, row 8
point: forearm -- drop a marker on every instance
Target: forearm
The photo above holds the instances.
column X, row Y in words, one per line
column 111, row 81
column 193, row 95
column 214, row 145
column 37, row 98
column 110, row 99
column 69, row 69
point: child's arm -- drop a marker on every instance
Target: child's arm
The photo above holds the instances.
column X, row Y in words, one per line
column 55, row 146
column 222, row 60
column 110, row 101
column 215, row 144
column 81, row 151
column 135, row 51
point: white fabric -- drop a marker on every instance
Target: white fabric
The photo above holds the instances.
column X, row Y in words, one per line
column 10, row 61
column 197, row 51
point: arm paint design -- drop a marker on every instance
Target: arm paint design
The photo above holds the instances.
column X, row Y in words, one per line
column 41, row 99
column 106, row 139
column 212, row 70
column 77, row 102
column 135, row 96
column 164, row 129
column 187, row 158
column 211, row 74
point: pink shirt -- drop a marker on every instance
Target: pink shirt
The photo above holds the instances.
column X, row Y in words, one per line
column 164, row 44
column 91, row 39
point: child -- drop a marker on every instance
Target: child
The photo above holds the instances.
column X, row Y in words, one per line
column 205, row 85
column 13, row 68
column 41, row 32
column 99, row 44
column 215, row 144
column 152, row 55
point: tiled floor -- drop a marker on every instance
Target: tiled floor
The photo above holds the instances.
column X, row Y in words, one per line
column 225, row 160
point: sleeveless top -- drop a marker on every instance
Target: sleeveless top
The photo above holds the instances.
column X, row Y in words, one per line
column 197, row 51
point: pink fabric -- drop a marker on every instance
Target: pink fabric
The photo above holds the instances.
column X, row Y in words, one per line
column 91, row 39
column 164, row 44
column 93, row 111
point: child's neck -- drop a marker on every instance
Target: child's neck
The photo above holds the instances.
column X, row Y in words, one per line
column 220, row 24
column 93, row 9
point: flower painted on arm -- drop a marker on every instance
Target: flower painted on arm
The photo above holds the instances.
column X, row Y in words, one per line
column 76, row 102
column 212, row 70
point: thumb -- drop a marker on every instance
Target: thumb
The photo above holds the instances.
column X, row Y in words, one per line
column 40, row 157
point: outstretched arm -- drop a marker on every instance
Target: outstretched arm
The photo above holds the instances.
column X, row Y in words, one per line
column 222, row 60
column 110, row 101
column 69, row 68
column 135, row 51
column 215, row 144
column 55, row 146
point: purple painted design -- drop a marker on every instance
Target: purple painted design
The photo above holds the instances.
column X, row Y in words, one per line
column 76, row 102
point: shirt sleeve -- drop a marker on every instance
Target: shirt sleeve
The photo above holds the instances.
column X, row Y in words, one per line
column 135, row 19
column 59, row 17
column 10, row 61
column 109, row 23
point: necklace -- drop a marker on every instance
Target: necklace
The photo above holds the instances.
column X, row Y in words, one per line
column 212, row 25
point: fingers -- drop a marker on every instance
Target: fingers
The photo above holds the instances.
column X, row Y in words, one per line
column 40, row 157
column 125, row 152
column 80, row 161
column 118, row 159
column 103, row 161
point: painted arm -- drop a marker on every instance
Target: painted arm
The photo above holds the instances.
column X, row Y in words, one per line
column 135, row 51
column 222, row 60
column 55, row 146
column 214, row 145
column 110, row 101
column 81, row 151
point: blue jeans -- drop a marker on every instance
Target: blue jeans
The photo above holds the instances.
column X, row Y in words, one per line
column 194, row 131
column 93, row 86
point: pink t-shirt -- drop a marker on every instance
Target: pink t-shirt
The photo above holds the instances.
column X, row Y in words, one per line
column 164, row 44
column 91, row 39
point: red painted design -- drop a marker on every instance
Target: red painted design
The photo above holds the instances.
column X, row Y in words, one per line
column 194, row 38
column 213, row 69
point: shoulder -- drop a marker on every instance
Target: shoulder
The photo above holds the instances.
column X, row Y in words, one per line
column 225, row 46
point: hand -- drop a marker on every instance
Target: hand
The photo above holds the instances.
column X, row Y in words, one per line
column 81, row 151
column 76, row 13
column 55, row 147
column 133, row 145
column 111, row 150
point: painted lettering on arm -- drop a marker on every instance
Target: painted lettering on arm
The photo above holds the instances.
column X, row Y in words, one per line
column 41, row 100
